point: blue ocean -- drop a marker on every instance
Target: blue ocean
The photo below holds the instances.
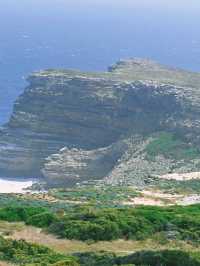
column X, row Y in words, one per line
column 91, row 35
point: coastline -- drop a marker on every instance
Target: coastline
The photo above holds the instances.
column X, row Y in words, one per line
column 11, row 185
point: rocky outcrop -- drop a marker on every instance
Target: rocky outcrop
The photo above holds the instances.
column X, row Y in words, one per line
column 77, row 165
column 70, row 126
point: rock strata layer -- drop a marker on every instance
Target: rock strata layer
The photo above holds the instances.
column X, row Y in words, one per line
column 70, row 126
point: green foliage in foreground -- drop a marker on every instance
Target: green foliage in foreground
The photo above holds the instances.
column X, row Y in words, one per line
column 89, row 223
column 171, row 147
column 23, row 253
column 144, row 258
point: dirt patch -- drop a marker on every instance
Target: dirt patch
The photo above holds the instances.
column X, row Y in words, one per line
column 34, row 235
column 8, row 228
column 2, row 263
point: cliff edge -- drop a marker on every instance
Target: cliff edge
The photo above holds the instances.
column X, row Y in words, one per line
column 137, row 120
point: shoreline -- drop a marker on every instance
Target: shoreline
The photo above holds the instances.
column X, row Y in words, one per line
column 11, row 185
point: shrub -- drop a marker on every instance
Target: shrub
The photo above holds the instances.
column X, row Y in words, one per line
column 42, row 220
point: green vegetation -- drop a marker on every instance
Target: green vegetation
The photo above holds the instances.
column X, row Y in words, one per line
column 26, row 254
column 150, row 70
column 183, row 187
column 98, row 195
column 171, row 147
column 7, row 200
column 90, row 223
column 93, row 223
column 131, row 70
column 23, row 253
column 144, row 258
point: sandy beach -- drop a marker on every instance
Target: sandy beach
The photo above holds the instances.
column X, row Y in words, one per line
column 14, row 186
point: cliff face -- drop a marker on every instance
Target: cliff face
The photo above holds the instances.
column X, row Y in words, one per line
column 69, row 126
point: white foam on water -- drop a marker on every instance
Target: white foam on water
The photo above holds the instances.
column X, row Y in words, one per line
column 14, row 186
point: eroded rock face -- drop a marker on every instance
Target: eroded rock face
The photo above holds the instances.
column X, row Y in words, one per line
column 69, row 126
column 75, row 165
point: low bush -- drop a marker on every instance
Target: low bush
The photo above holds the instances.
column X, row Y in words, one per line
column 88, row 223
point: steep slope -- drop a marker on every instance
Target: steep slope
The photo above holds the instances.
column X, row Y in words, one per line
column 69, row 126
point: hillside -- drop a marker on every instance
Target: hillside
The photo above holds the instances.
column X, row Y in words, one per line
column 137, row 121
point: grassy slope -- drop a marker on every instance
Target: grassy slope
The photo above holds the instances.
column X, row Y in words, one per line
column 134, row 69
column 140, row 69
column 170, row 146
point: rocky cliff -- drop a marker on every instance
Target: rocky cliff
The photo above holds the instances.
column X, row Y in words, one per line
column 136, row 120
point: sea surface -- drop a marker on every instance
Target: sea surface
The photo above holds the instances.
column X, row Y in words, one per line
column 91, row 35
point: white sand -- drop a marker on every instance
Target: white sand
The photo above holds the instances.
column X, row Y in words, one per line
column 13, row 186
column 144, row 201
column 181, row 177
